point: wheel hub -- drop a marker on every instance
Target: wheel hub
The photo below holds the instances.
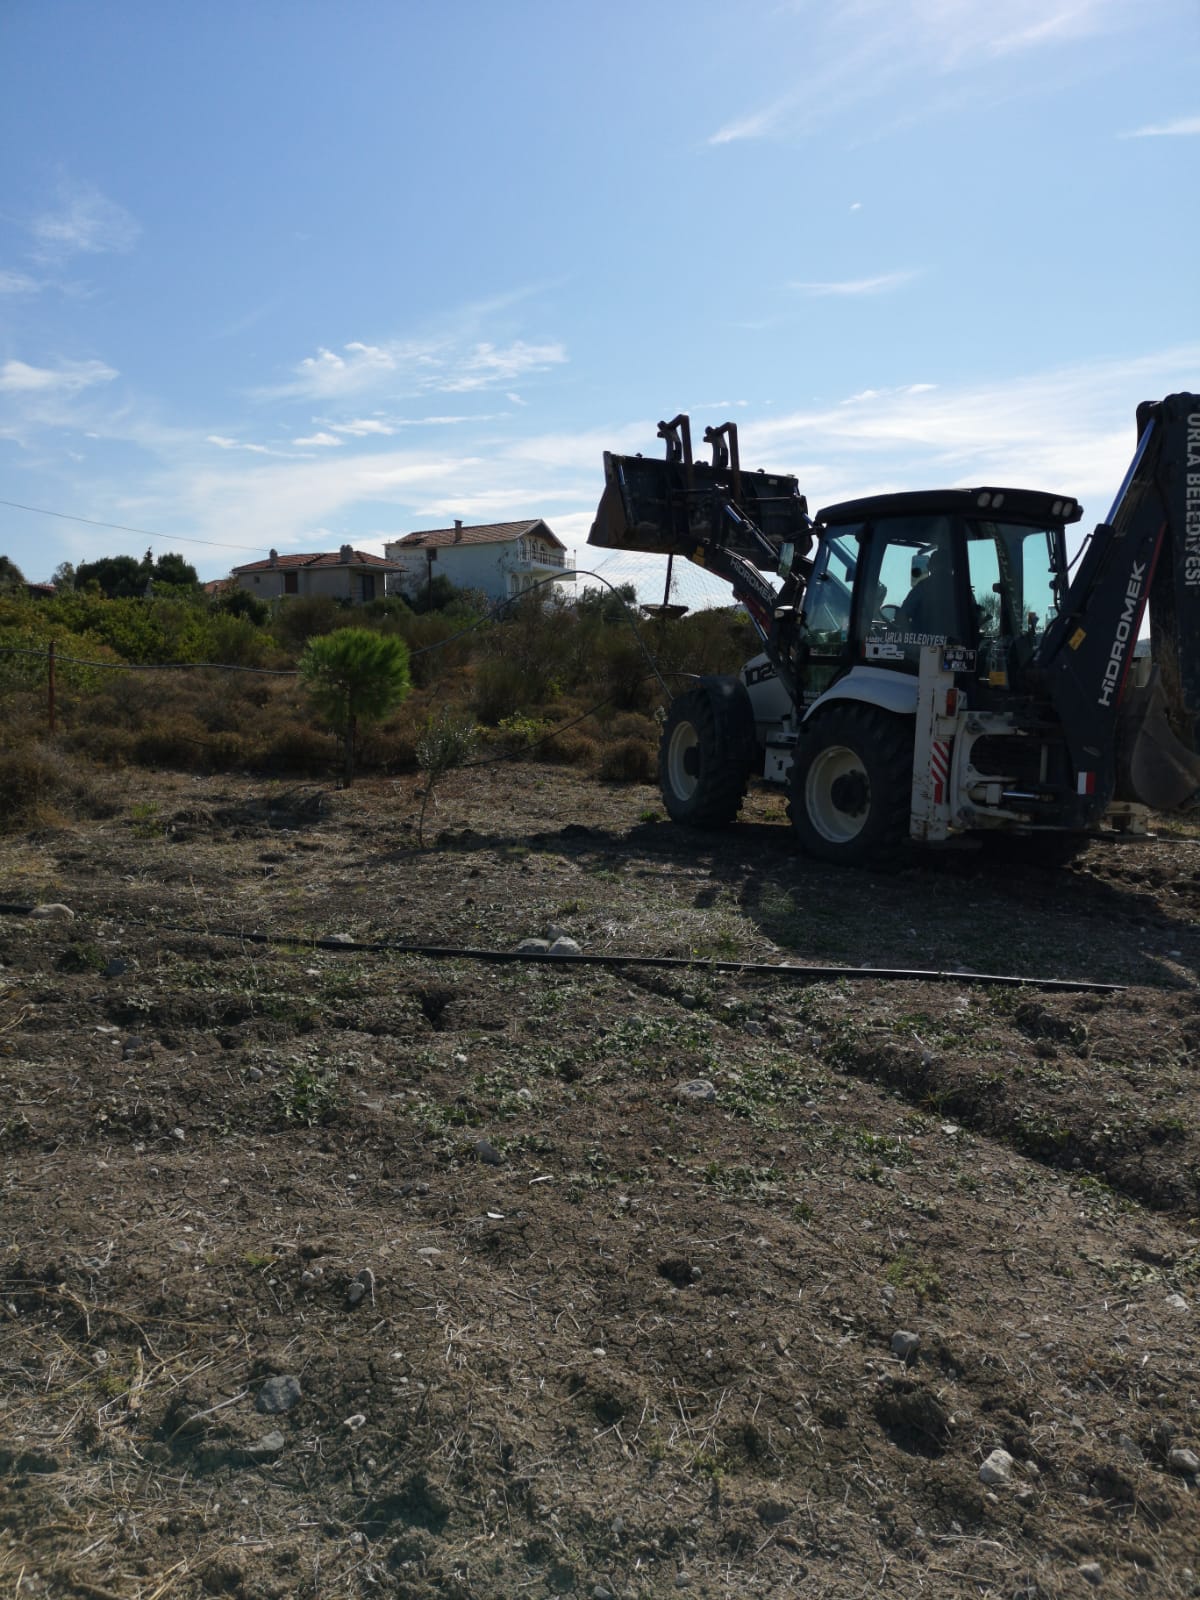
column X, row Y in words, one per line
column 850, row 793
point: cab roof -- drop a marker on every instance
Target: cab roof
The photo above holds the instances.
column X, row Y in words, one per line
column 995, row 504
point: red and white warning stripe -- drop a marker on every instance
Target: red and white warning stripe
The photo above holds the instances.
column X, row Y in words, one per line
column 1085, row 783
column 939, row 769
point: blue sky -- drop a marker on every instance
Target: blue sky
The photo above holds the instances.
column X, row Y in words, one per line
column 299, row 274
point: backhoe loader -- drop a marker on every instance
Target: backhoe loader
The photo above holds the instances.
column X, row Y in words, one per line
column 931, row 668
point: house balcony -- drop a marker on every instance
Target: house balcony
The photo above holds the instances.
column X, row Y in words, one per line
column 544, row 563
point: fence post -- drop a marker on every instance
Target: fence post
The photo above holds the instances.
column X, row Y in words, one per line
column 50, row 682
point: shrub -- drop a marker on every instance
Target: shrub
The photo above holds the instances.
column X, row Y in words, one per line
column 39, row 785
column 628, row 761
column 308, row 617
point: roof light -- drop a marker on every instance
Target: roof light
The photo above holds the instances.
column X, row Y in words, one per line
column 984, row 499
column 1057, row 509
column 997, row 501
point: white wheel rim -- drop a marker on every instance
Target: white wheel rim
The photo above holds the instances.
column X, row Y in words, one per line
column 683, row 741
column 834, row 825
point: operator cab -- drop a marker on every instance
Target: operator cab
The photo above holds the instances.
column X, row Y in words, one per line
column 984, row 569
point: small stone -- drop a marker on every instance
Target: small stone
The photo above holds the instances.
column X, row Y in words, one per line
column 116, row 968
column 997, row 1469
column 1092, row 1571
column 267, row 1448
column 254, row 1074
column 487, row 1153
column 564, row 947
column 682, row 1581
column 338, row 938
column 278, row 1395
column 1177, row 1302
column 360, row 1287
column 1130, row 1448
column 904, row 1344
column 355, row 1422
column 753, row 1026
column 53, row 913
column 696, row 1091
column 601, row 1593
column 133, row 1044
column 533, row 947
column 1185, row 1462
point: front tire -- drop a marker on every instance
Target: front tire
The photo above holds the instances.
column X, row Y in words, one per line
column 851, row 785
column 706, row 755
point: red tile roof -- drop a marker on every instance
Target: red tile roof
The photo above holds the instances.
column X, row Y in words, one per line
column 328, row 558
column 482, row 533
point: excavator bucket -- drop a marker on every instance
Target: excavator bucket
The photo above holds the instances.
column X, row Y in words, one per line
column 1154, row 766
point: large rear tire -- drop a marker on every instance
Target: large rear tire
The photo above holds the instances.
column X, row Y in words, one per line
column 851, row 785
column 706, row 755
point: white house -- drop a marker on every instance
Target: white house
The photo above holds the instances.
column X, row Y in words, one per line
column 344, row 574
column 501, row 558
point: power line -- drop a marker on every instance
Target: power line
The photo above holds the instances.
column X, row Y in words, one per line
column 121, row 527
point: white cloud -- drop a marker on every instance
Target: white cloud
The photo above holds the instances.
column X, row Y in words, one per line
column 363, row 426
column 1182, row 127
column 755, row 125
column 857, row 286
column 84, row 222
column 448, row 366
column 18, row 283
column 486, row 365
column 224, row 443
column 321, row 439
column 69, row 377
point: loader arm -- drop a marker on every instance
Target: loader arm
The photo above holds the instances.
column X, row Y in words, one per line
column 734, row 524
column 1127, row 741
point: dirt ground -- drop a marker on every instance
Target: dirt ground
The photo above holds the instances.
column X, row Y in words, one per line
column 340, row 1271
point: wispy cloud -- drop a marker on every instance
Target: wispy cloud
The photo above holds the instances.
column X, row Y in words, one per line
column 1180, row 128
column 82, row 222
column 69, row 377
column 857, row 286
column 323, row 440
column 222, row 442
column 18, row 283
column 363, row 427
column 756, row 123
column 434, row 365
column 858, row 51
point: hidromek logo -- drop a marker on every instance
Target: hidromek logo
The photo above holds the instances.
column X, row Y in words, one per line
column 1114, row 666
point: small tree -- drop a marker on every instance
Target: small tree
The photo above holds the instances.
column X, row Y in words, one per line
column 446, row 742
column 354, row 675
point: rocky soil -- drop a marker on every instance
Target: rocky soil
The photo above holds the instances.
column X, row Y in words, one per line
column 332, row 1268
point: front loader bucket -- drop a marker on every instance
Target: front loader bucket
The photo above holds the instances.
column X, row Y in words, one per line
column 1154, row 766
column 612, row 529
column 668, row 507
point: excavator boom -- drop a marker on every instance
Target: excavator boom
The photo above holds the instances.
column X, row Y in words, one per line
column 1137, row 741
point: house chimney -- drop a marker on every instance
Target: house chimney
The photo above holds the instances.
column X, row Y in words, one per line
column 274, row 558
column 346, row 554
column 457, row 529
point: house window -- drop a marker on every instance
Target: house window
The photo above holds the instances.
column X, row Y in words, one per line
column 291, row 583
column 368, row 586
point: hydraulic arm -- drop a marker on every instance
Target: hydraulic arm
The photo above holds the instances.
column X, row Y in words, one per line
column 1137, row 741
